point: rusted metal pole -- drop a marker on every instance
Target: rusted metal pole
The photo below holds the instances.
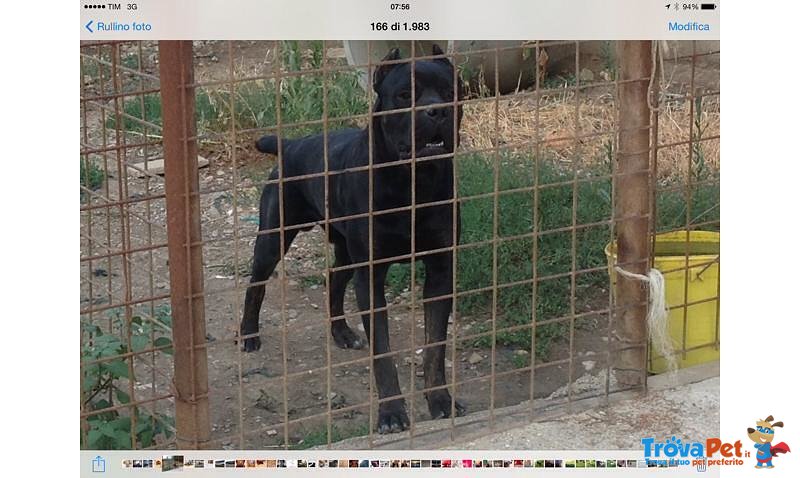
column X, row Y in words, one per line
column 183, row 230
column 632, row 209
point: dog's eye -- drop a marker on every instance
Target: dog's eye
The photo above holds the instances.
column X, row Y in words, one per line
column 404, row 96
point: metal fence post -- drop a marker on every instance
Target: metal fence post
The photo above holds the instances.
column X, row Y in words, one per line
column 185, row 249
column 632, row 209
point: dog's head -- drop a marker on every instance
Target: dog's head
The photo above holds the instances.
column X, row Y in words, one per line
column 764, row 431
column 434, row 83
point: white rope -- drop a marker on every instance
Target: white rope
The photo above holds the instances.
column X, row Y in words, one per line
column 657, row 314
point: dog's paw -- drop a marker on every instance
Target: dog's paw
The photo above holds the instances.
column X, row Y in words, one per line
column 392, row 417
column 440, row 404
column 345, row 338
column 251, row 344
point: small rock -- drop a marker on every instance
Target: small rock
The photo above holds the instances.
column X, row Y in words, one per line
column 256, row 371
column 314, row 306
column 291, row 313
column 588, row 364
column 521, row 352
column 265, row 402
column 272, row 433
column 475, row 358
column 337, row 401
column 586, row 75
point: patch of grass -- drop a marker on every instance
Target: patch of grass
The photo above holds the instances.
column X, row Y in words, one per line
column 398, row 279
column 131, row 60
column 516, row 216
column 145, row 107
column 92, row 176
column 319, row 436
column 520, row 360
column 253, row 104
column 315, row 280
column 674, row 209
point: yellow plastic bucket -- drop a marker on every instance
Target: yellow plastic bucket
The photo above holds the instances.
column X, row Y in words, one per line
column 692, row 294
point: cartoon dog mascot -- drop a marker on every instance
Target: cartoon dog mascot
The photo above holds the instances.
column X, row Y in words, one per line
column 763, row 435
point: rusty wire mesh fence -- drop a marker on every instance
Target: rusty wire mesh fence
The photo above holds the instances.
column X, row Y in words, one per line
column 574, row 147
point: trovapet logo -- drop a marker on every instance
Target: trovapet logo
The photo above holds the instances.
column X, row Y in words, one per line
column 715, row 452
column 712, row 452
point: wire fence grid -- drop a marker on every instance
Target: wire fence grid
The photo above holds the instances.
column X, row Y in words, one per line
column 573, row 147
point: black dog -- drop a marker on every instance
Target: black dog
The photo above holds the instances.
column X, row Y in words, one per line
column 436, row 134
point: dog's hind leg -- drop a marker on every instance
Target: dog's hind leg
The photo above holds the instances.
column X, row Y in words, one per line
column 266, row 255
column 438, row 283
column 342, row 334
column 392, row 415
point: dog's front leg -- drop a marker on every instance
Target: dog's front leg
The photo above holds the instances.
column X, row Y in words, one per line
column 438, row 283
column 392, row 416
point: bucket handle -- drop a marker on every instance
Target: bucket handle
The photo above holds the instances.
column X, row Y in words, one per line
column 704, row 269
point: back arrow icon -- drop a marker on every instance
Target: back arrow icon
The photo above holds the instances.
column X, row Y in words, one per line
column 88, row 28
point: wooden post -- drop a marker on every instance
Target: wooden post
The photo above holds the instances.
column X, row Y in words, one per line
column 185, row 252
column 632, row 208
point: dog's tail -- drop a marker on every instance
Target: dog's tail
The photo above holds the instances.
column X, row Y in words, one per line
column 268, row 144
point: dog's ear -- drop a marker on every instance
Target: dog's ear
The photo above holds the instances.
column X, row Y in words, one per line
column 768, row 419
column 777, row 424
column 436, row 50
column 382, row 70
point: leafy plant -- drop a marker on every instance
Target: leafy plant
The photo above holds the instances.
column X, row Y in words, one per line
column 104, row 382
column 92, row 176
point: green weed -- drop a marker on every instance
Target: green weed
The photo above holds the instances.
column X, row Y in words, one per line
column 104, row 384
column 319, row 436
column 516, row 215
column 253, row 104
column 92, row 176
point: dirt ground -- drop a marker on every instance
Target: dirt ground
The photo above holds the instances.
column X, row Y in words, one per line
column 249, row 396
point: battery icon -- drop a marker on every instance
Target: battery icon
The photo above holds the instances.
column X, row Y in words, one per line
column 708, row 6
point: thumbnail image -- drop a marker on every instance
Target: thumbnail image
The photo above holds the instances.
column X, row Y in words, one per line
column 168, row 462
